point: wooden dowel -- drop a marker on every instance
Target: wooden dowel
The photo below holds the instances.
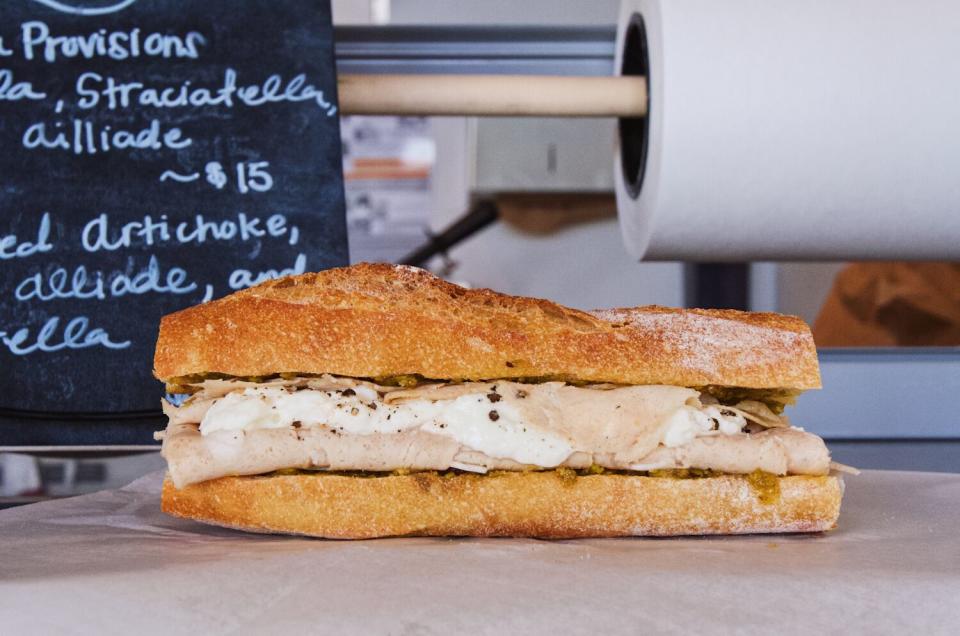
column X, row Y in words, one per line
column 493, row 95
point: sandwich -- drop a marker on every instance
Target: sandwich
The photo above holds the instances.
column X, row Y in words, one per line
column 379, row 400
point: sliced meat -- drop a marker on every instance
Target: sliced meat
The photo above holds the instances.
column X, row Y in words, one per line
column 193, row 457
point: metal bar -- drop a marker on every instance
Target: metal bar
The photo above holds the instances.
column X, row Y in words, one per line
column 763, row 287
column 583, row 51
column 482, row 214
column 717, row 285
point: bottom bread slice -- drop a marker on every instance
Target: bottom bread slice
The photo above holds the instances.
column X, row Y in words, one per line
column 549, row 504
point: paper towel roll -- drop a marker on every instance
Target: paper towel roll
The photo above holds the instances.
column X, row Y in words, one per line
column 785, row 130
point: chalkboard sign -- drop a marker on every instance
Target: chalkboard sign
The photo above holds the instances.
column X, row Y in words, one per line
column 154, row 154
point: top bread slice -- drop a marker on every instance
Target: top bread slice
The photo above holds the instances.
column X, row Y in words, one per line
column 378, row 320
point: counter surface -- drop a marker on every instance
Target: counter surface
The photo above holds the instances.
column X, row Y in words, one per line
column 111, row 562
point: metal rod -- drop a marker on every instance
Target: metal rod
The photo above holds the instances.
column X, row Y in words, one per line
column 482, row 214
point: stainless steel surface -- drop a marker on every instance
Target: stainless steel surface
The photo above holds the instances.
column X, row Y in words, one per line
column 523, row 50
column 940, row 456
column 902, row 393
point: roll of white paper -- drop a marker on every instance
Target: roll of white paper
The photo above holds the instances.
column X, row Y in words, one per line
column 786, row 130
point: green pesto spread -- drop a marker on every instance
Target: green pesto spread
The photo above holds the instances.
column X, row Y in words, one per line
column 765, row 485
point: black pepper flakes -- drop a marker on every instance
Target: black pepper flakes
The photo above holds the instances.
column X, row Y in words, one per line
column 372, row 406
column 727, row 413
column 297, row 424
column 493, row 397
column 494, row 416
column 349, row 392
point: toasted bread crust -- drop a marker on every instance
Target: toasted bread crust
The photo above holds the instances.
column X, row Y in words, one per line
column 542, row 504
column 375, row 320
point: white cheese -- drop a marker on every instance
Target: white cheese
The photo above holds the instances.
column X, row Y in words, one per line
column 543, row 428
column 689, row 423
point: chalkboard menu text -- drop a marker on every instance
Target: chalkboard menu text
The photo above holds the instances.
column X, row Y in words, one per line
column 154, row 154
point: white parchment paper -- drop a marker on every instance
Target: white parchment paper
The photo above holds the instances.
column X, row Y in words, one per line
column 781, row 130
column 112, row 563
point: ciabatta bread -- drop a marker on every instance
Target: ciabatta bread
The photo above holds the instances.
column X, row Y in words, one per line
column 548, row 504
column 374, row 321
